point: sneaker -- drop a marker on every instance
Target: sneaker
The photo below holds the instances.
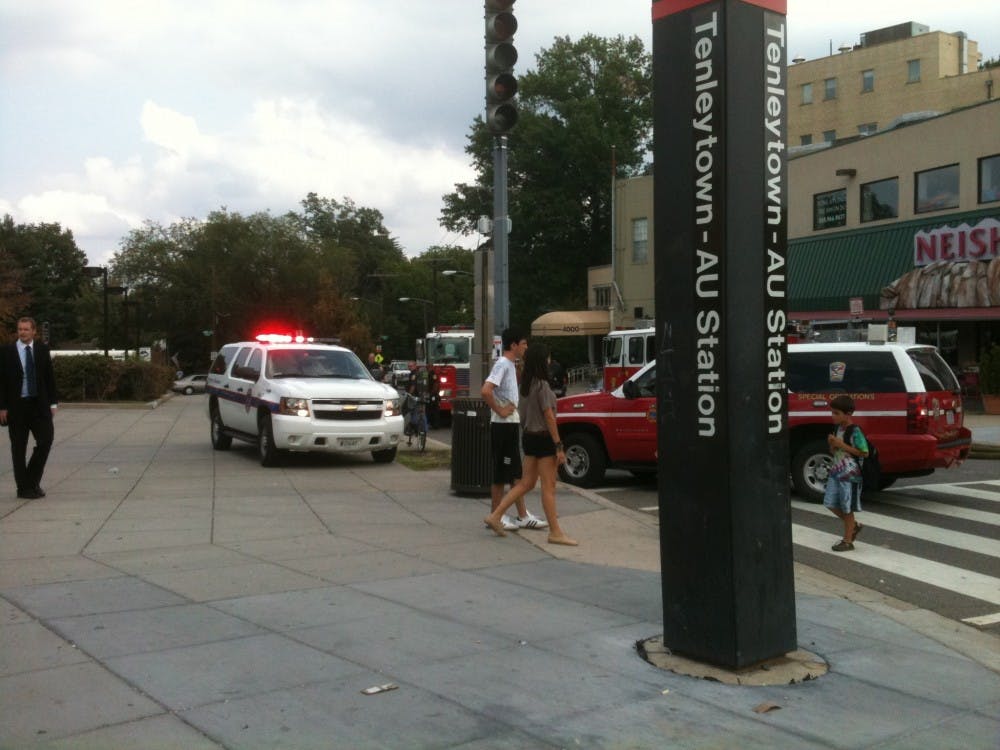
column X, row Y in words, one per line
column 842, row 546
column 531, row 521
column 509, row 524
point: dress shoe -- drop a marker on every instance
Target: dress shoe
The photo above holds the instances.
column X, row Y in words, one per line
column 28, row 495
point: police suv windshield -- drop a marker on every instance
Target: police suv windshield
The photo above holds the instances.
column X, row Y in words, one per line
column 315, row 363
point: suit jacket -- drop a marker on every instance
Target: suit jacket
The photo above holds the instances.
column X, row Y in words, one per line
column 12, row 374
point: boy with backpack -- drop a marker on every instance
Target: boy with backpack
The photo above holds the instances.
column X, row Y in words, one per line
column 843, row 485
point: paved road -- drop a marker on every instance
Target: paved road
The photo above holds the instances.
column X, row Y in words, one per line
column 167, row 595
column 933, row 542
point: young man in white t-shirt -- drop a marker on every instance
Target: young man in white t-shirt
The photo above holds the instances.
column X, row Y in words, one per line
column 500, row 391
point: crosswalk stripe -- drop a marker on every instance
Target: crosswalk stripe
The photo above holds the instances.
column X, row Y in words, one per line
column 965, row 582
column 896, row 497
column 957, row 490
column 983, row 620
column 922, row 531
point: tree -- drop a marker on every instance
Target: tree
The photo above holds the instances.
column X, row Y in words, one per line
column 583, row 98
column 231, row 275
column 50, row 266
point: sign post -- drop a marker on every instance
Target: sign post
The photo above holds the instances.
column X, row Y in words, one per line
column 721, row 229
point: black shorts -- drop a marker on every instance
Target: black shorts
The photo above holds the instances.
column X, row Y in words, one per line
column 506, row 452
column 538, row 444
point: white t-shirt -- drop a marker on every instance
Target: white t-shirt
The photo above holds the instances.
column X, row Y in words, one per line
column 504, row 379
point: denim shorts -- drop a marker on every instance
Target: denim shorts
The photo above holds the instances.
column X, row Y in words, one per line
column 842, row 496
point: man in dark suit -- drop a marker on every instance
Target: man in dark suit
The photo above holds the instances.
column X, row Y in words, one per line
column 27, row 402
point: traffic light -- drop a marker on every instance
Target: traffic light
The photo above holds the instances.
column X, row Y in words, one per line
column 501, row 85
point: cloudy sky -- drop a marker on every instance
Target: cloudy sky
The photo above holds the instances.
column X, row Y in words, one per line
column 113, row 112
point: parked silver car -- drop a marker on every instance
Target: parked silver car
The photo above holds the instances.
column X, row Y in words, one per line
column 190, row 384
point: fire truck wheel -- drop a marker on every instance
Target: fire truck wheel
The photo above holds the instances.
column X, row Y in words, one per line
column 585, row 460
column 810, row 466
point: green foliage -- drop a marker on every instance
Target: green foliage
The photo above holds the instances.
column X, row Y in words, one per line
column 94, row 377
column 42, row 271
column 989, row 371
column 584, row 98
column 201, row 284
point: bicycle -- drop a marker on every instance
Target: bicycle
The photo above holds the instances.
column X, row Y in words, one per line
column 416, row 423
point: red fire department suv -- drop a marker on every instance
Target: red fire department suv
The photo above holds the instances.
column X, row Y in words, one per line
column 907, row 399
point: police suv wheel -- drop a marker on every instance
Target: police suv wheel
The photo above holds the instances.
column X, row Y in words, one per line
column 220, row 440
column 265, row 443
column 384, row 457
column 585, row 460
column 810, row 469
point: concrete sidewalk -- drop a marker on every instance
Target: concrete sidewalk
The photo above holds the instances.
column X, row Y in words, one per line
column 164, row 595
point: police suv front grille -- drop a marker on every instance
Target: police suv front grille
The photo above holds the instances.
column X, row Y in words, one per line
column 347, row 410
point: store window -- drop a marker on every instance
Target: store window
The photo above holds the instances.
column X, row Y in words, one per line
column 989, row 179
column 867, row 128
column 830, row 209
column 936, row 189
column 912, row 71
column 880, row 200
column 806, row 140
column 807, row 93
column 602, row 297
column 829, row 136
column 830, row 88
column 640, row 240
column 867, row 80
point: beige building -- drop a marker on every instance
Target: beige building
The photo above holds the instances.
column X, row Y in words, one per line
column 891, row 73
column 920, row 170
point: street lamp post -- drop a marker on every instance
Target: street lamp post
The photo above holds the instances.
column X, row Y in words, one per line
column 123, row 290
column 95, row 272
column 426, row 303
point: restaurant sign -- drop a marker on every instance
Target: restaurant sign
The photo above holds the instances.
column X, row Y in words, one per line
column 958, row 244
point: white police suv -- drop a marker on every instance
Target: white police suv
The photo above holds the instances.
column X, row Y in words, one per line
column 287, row 393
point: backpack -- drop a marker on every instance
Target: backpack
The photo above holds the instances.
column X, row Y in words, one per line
column 871, row 469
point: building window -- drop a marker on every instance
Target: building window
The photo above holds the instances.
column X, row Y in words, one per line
column 830, row 88
column 807, row 93
column 602, row 297
column 829, row 136
column 867, row 128
column 989, row 179
column 880, row 200
column 806, row 140
column 936, row 189
column 912, row 71
column 640, row 240
column 867, row 80
column 830, row 209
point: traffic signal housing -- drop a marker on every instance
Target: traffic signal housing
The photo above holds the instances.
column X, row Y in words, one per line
column 501, row 85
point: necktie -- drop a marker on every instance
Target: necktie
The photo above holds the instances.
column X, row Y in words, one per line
column 29, row 372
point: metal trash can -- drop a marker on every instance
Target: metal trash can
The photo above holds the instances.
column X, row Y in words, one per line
column 471, row 452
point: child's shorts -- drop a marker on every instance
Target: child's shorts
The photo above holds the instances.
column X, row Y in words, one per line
column 842, row 496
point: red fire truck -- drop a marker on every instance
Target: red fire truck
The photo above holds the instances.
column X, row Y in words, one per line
column 446, row 352
column 625, row 353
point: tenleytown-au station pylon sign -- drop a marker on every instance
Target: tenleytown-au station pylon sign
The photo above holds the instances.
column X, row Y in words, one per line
column 720, row 208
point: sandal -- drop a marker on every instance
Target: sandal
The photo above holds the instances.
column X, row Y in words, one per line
column 857, row 530
column 496, row 526
column 842, row 546
column 563, row 540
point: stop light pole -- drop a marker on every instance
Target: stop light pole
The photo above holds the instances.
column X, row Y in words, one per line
column 501, row 116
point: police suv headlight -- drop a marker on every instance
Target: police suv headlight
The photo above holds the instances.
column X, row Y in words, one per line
column 391, row 407
column 295, row 407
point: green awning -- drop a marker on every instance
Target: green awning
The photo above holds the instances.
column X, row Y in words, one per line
column 826, row 270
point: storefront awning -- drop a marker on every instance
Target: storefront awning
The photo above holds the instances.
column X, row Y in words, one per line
column 572, row 323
